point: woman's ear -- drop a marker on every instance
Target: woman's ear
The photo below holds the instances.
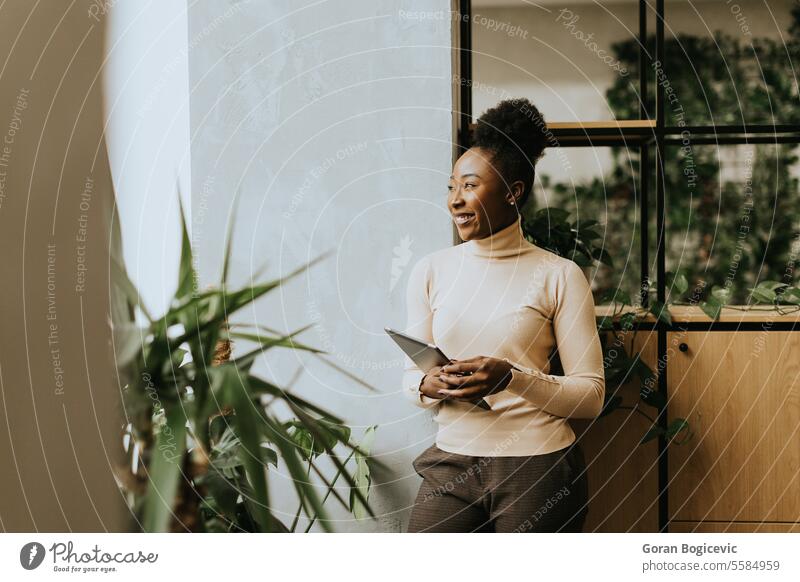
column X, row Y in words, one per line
column 515, row 192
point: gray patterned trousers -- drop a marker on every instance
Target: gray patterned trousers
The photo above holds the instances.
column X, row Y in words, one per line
column 539, row 493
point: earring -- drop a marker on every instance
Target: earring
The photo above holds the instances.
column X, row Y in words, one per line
column 512, row 203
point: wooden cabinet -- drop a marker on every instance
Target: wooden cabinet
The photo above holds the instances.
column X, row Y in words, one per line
column 740, row 392
column 623, row 474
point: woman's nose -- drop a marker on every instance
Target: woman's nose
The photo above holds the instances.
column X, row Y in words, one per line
column 455, row 197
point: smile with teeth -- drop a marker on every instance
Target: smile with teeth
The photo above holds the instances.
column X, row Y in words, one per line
column 463, row 218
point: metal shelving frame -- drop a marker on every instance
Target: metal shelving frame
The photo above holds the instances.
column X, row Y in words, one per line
column 649, row 139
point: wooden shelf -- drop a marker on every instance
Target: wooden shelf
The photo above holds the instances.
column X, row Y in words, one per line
column 689, row 313
column 635, row 132
column 596, row 133
column 593, row 133
column 610, row 125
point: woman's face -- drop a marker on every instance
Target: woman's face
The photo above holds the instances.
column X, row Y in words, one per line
column 479, row 199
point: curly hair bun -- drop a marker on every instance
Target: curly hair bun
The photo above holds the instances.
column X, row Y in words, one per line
column 515, row 125
column 516, row 134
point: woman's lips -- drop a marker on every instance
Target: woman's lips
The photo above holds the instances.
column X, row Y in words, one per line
column 462, row 219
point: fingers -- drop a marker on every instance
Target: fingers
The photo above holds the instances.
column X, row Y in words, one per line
column 433, row 384
column 471, row 365
column 452, row 381
column 437, row 382
column 467, row 393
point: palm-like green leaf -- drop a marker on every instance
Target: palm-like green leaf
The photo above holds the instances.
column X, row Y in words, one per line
column 285, row 341
column 246, row 420
column 186, row 274
column 242, row 442
column 229, row 241
column 362, row 477
column 165, row 470
column 259, row 386
column 319, row 431
column 277, row 434
column 344, row 372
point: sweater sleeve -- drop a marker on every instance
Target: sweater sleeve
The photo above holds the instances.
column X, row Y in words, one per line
column 419, row 323
column 581, row 391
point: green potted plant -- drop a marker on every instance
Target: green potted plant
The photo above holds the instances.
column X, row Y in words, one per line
column 552, row 229
column 203, row 428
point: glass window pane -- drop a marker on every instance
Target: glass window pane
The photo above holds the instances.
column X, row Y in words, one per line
column 726, row 63
column 733, row 63
column 564, row 59
column 603, row 205
column 733, row 216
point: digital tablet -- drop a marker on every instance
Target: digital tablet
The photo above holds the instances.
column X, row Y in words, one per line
column 426, row 356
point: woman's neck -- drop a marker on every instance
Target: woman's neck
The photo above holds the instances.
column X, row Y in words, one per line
column 508, row 241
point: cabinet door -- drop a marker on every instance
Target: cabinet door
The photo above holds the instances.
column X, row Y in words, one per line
column 622, row 473
column 740, row 392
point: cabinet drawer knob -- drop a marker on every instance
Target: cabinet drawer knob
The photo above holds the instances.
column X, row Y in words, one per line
column 683, row 347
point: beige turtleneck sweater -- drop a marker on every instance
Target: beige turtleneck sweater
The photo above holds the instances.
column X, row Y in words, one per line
column 504, row 297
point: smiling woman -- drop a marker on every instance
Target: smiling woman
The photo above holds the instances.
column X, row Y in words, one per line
column 495, row 176
column 501, row 305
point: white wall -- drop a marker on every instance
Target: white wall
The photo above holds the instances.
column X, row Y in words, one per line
column 146, row 88
column 333, row 120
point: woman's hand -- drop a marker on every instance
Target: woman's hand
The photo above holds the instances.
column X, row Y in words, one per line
column 481, row 376
column 432, row 383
